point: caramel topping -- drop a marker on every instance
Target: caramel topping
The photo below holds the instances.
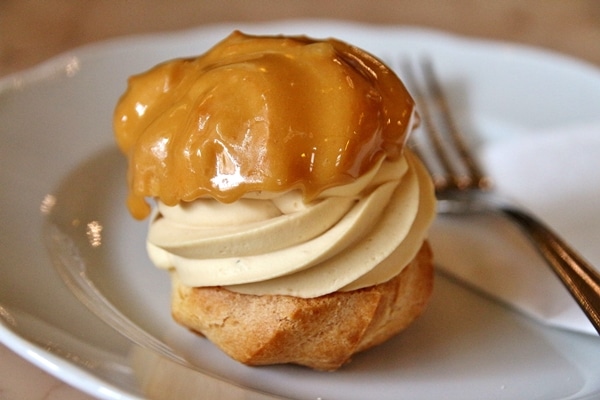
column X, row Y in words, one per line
column 259, row 114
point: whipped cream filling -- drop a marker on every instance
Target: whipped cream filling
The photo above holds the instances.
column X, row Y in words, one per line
column 352, row 236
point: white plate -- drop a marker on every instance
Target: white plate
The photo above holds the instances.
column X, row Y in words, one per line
column 62, row 178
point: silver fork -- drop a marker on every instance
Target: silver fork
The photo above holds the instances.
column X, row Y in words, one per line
column 462, row 188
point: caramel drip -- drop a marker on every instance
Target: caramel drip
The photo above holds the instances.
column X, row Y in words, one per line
column 259, row 114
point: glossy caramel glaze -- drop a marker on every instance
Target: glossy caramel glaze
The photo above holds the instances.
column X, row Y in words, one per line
column 259, row 114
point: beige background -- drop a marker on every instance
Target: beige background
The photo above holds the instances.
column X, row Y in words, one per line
column 34, row 30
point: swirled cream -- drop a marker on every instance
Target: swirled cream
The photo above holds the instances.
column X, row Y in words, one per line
column 277, row 165
column 356, row 236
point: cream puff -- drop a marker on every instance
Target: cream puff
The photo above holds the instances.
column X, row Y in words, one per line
column 287, row 209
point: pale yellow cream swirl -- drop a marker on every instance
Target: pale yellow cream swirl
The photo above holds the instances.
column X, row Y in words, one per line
column 352, row 236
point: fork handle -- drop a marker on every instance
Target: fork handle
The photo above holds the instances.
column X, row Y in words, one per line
column 577, row 274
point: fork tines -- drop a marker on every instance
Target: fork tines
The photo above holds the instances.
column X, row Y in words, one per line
column 442, row 148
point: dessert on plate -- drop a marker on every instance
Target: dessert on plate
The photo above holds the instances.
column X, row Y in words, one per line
column 289, row 213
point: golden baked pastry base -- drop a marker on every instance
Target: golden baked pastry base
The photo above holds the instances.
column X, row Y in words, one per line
column 321, row 333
